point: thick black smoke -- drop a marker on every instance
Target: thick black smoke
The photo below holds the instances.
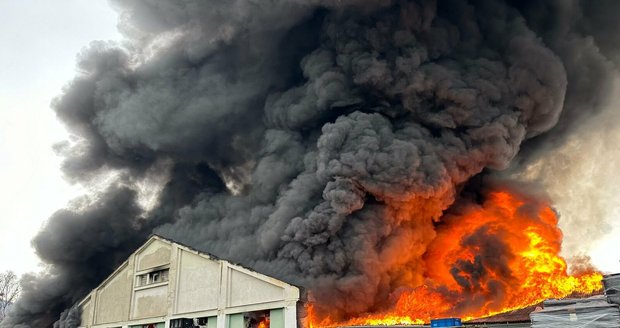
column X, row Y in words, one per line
column 345, row 129
column 69, row 318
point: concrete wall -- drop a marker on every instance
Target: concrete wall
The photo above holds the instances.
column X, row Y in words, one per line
column 150, row 302
column 196, row 290
column 260, row 292
column 112, row 301
column 86, row 308
column 198, row 286
column 157, row 253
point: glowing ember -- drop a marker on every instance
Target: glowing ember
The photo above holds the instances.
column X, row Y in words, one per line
column 488, row 259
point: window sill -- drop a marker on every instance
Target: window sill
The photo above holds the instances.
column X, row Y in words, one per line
column 159, row 284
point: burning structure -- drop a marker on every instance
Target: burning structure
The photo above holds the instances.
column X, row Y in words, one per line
column 354, row 147
column 165, row 284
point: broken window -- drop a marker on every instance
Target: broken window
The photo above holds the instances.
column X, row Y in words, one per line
column 182, row 323
column 257, row 319
column 156, row 277
column 190, row 322
column 152, row 277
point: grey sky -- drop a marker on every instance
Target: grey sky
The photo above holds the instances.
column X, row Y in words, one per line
column 39, row 41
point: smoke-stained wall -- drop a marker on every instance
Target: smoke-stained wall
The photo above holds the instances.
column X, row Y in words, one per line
column 310, row 140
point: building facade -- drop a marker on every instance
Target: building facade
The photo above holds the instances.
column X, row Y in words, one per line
column 168, row 285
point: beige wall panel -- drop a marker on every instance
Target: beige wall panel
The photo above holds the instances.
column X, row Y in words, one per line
column 245, row 289
column 150, row 302
column 155, row 254
column 199, row 283
column 85, row 308
column 113, row 298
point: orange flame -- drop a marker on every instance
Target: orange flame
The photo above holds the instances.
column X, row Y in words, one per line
column 489, row 259
column 264, row 323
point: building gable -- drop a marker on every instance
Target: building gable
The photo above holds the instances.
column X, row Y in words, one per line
column 164, row 281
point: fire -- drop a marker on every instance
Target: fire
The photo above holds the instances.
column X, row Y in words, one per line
column 263, row 323
column 488, row 259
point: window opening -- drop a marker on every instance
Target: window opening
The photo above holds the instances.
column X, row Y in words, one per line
column 152, row 277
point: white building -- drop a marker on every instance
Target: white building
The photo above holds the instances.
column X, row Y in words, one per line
column 166, row 284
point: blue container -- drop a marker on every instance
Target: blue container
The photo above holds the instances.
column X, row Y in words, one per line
column 446, row 322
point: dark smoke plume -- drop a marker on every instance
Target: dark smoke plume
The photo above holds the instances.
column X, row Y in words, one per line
column 69, row 318
column 310, row 139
